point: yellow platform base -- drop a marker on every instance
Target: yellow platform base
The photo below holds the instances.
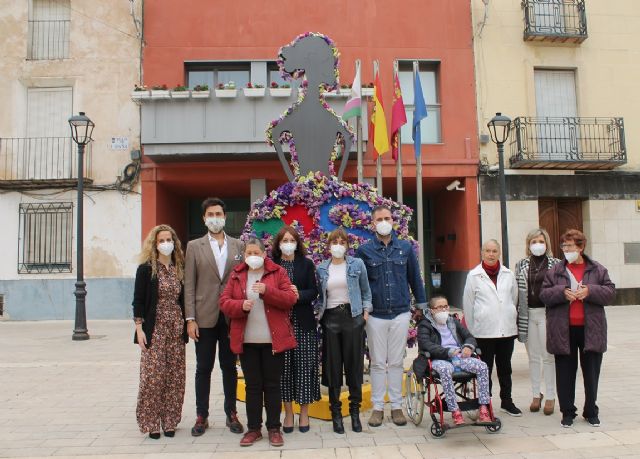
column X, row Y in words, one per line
column 320, row 409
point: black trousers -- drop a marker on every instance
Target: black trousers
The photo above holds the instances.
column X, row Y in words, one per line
column 499, row 350
column 205, row 357
column 262, row 369
column 343, row 348
column 566, row 369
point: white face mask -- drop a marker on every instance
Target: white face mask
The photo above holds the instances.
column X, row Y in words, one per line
column 288, row 248
column 441, row 317
column 338, row 250
column 538, row 249
column 384, row 228
column 571, row 257
column 254, row 261
column 165, row 248
column 215, row 224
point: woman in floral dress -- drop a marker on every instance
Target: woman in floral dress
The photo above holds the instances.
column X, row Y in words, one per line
column 158, row 311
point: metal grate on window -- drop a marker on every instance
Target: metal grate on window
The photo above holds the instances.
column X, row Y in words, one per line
column 45, row 237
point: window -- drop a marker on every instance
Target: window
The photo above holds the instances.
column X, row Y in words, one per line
column 45, row 237
column 214, row 73
column 274, row 75
column 49, row 26
column 430, row 126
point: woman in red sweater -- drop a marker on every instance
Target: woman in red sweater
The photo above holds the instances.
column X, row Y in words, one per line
column 257, row 300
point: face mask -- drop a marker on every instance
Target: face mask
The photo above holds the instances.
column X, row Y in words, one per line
column 441, row 317
column 384, row 228
column 215, row 224
column 288, row 248
column 538, row 249
column 571, row 257
column 165, row 248
column 337, row 250
column 254, row 261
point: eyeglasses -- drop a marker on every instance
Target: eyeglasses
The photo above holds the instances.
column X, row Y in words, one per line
column 441, row 308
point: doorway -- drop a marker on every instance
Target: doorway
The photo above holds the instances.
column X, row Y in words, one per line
column 557, row 216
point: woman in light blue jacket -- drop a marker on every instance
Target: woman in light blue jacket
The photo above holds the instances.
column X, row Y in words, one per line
column 345, row 303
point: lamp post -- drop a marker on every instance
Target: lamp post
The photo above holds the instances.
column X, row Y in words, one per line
column 499, row 128
column 81, row 130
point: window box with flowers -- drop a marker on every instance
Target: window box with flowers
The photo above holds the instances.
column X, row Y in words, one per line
column 253, row 90
column 160, row 92
column 180, row 92
column 345, row 90
column 333, row 93
column 200, row 92
column 367, row 90
column 226, row 90
column 140, row 92
column 283, row 90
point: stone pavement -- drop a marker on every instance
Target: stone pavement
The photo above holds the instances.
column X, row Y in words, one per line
column 77, row 399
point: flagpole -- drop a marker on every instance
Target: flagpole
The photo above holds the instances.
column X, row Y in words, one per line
column 359, row 133
column 399, row 160
column 419, row 194
column 376, row 68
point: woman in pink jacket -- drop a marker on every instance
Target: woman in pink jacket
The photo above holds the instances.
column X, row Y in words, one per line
column 257, row 300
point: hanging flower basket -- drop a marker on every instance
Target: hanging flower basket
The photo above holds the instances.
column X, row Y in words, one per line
column 226, row 93
column 253, row 92
column 180, row 93
column 367, row 92
column 200, row 92
column 280, row 92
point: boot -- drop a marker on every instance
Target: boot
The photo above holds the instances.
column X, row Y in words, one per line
column 356, row 425
column 336, row 409
column 355, row 397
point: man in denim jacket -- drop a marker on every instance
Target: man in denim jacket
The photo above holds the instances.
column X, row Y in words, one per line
column 392, row 267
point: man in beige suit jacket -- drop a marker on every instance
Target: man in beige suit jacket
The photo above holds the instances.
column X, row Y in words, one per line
column 208, row 262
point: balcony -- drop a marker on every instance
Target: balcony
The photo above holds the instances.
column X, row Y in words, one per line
column 563, row 21
column 48, row 39
column 567, row 143
column 41, row 162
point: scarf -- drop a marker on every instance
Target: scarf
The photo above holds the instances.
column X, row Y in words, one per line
column 492, row 271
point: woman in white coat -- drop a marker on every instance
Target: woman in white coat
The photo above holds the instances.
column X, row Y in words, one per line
column 489, row 303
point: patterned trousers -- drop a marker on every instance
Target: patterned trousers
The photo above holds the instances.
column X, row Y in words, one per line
column 471, row 365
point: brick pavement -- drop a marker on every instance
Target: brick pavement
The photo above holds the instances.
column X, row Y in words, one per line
column 77, row 399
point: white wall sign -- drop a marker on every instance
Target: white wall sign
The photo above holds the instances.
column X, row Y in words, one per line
column 119, row 143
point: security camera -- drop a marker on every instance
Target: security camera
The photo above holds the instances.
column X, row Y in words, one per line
column 455, row 185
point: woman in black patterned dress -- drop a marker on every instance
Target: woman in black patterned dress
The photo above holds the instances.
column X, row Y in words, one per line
column 158, row 311
column 300, row 376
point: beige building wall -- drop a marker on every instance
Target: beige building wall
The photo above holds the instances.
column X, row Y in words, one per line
column 102, row 66
column 607, row 66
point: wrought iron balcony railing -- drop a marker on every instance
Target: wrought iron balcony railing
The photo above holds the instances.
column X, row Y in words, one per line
column 49, row 39
column 567, row 143
column 555, row 20
column 41, row 161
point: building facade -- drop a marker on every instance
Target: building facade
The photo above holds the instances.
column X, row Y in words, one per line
column 196, row 147
column 566, row 72
column 61, row 57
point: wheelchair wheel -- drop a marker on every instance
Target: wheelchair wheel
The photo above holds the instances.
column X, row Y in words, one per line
column 414, row 398
column 436, row 430
column 495, row 428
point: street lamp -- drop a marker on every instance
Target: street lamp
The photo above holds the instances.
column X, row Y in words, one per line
column 81, row 130
column 499, row 128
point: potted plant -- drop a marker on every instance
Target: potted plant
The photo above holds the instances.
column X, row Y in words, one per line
column 332, row 93
column 200, row 91
column 140, row 92
column 160, row 91
column 367, row 90
column 253, row 90
column 283, row 90
column 226, row 90
column 180, row 92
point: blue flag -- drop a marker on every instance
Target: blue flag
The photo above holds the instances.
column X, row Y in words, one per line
column 419, row 113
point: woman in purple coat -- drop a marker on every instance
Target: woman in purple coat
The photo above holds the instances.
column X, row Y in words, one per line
column 575, row 292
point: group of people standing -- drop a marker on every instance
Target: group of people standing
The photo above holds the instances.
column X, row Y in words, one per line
column 229, row 295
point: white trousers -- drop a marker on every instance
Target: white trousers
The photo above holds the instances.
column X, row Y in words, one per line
column 387, row 340
column 540, row 361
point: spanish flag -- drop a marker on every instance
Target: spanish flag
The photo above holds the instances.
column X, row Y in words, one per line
column 378, row 121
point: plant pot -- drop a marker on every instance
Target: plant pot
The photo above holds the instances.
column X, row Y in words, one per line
column 226, row 93
column 367, row 92
column 180, row 94
column 253, row 92
column 280, row 92
column 200, row 94
column 344, row 92
column 330, row 94
column 160, row 94
column 140, row 95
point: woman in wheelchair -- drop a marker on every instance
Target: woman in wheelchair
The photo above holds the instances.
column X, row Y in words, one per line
column 445, row 339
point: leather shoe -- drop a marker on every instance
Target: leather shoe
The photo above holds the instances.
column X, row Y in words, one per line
column 535, row 404
column 549, row 407
column 170, row 433
column 275, row 437
column 234, row 424
column 338, row 426
column 397, row 416
column 356, row 425
column 154, row 435
column 251, row 437
column 375, row 419
column 200, row 426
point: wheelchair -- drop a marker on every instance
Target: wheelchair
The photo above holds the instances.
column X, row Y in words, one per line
column 425, row 391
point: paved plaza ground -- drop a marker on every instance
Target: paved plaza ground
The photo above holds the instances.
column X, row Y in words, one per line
column 74, row 399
